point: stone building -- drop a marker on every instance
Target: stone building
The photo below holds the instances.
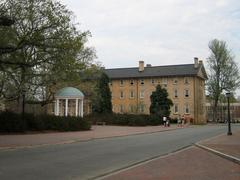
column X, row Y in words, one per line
column 132, row 87
column 222, row 112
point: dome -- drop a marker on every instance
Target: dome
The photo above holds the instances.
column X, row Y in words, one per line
column 69, row 92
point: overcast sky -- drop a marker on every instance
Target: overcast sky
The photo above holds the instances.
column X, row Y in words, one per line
column 160, row 32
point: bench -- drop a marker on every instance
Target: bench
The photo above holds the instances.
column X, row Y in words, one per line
column 100, row 123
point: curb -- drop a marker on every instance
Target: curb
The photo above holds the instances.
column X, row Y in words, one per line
column 139, row 163
column 228, row 157
column 83, row 140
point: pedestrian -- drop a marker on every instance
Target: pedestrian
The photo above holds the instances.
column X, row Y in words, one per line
column 168, row 122
column 164, row 121
column 179, row 121
column 183, row 120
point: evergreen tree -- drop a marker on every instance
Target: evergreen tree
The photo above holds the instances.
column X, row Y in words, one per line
column 102, row 101
column 160, row 103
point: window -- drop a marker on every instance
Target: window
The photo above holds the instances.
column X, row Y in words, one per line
column 175, row 93
column 131, row 108
column 186, row 109
column 142, row 81
column 164, row 81
column 121, row 108
column 131, row 94
column 121, row 94
column 121, row 82
column 142, row 94
column 186, row 93
column 175, row 81
column 141, row 108
column 186, row 80
column 175, row 108
column 131, row 82
column 153, row 81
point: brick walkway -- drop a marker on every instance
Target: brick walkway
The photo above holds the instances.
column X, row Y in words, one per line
column 192, row 163
column 229, row 145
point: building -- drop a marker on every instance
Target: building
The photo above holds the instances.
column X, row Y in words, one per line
column 132, row 87
column 222, row 112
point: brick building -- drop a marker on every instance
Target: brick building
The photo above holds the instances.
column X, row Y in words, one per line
column 132, row 87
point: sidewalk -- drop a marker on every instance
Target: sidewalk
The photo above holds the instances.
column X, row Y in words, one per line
column 229, row 145
column 191, row 163
column 30, row 140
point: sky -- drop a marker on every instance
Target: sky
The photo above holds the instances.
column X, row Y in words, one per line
column 159, row 32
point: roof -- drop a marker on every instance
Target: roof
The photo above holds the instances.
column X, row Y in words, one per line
column 154, row 71
column 69, row 92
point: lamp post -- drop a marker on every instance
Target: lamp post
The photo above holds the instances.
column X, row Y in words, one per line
column 228, row 94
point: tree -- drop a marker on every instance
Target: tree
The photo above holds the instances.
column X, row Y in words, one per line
column 48, row 49
column 224, row 73
column 160, row 103
column 102, row 102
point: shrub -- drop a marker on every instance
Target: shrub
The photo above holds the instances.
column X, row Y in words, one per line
column 174, row 121
column 12, row 122
column 125, row 119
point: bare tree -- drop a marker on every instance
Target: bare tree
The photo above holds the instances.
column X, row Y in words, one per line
column 223, row 72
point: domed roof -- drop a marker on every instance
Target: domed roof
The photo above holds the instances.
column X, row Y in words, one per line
column 69, row 92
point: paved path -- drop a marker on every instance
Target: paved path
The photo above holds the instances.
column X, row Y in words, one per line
column 26, row 140
column 229, row 145
column 191, row 163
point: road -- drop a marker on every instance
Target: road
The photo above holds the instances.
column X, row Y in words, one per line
column 86, row 160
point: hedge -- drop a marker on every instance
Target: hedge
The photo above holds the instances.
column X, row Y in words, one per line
column 12, row 122
column 125, row 119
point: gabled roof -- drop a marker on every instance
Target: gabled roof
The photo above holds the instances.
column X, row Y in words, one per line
column 155, row 71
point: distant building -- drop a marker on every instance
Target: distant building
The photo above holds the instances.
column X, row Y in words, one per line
column 132, row 87
column 222, row 113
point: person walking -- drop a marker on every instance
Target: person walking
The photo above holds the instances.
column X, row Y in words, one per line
column 183, row 120
column 164, row 121
column 179, row 121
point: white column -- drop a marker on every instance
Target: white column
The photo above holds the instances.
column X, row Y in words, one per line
column 57, row 107
column 76, row 107
column 66, row 107
column 82, row 108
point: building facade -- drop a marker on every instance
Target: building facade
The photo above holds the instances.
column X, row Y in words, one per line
column 132, row 87
column 222, row 112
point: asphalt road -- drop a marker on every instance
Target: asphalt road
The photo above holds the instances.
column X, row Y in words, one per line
column 86, row 160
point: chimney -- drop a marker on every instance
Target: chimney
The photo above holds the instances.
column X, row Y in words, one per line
column 149, row 65
column 141, row 66
column 200, row 62
column 195, row 62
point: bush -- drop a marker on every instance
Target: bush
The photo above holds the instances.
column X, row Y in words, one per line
column 125, row 119
column 174, row 121
column 12, row 122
